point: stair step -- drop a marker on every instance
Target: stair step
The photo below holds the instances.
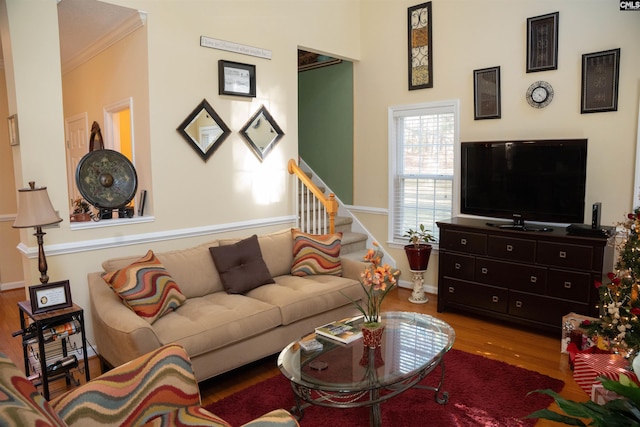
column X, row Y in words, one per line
column 353, row 242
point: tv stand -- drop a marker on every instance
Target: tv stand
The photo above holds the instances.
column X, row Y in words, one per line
column 532, row 279
column 519, row 225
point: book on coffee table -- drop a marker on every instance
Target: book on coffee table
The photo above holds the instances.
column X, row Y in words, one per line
column 341, row 330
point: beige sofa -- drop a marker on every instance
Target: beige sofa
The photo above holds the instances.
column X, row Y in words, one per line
column 222, row 331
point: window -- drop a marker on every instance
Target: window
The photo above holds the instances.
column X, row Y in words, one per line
column 424, row 152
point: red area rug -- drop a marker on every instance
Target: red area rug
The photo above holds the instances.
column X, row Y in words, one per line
column 482, row 392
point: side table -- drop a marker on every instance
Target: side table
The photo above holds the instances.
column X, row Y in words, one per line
column 48, row 327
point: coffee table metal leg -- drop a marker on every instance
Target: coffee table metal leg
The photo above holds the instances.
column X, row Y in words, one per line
column 375, row 414
column 441, row 396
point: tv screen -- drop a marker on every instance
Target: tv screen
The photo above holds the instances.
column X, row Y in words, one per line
column 536, row 180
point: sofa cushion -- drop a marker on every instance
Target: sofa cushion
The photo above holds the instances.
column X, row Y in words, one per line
column 241, row 266
column 302, row 297
column 216, row 320
column 316, row 254
column 146, row 287
column 20, row 402
column 276, row 250
column 191, row 268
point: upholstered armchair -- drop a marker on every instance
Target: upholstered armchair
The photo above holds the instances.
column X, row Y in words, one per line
column 156, row 389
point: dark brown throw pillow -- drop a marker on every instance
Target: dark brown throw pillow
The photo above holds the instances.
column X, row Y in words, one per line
column 241, row 266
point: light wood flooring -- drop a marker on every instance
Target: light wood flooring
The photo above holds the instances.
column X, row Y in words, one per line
column 528, row 349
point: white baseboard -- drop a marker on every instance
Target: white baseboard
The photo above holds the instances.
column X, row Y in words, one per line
column 430, row 289
column 11, row 285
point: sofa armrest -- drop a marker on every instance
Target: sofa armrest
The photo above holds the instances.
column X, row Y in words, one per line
column 351, row 268
column 132, row 394
column 279, row 417
column 120, row 334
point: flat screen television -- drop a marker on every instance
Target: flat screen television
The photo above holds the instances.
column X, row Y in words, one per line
column 535, row 180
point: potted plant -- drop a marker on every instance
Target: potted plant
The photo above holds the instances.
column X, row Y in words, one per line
column 418, row 253
column 81, row 211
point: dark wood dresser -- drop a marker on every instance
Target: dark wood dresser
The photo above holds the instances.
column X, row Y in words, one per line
column 532, row 278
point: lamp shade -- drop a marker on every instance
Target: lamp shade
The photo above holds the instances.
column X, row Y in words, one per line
column 35, row 208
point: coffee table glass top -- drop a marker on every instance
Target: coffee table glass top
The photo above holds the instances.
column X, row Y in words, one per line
column 411, row 342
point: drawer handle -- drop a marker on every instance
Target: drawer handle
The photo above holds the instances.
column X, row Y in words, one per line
column 495, row 298
column 457, row 266
column 567, row 285
column 509, row 248
column 534, row 279
column 484, row 270
column 518, row 304
column 563, row 254
column 463, row 242
column 451, row 289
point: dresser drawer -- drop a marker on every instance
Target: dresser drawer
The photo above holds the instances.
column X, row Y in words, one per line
column 571, row 285
column 542, row 309
column 565, row 255
column 457, row 266
column 462, row 241
column 479, row 296
column 523, row 277
column 511, row 248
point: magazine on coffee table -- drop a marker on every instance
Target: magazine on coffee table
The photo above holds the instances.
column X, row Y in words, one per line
column 344, row 330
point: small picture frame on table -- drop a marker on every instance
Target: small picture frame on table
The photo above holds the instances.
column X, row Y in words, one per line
column 600, row 74
column 50, row 296
column 236, row 79
column 542, row 42
column 486, row 93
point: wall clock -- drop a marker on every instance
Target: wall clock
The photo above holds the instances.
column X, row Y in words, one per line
column 539, row 94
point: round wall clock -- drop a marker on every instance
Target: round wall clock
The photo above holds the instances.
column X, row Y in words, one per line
column 539, row 94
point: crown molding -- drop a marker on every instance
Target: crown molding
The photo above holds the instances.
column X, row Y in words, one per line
column 135, row 22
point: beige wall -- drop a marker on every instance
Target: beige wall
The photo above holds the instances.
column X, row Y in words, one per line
column 469, row 35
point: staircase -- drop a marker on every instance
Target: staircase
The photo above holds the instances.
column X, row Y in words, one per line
column 316, row 212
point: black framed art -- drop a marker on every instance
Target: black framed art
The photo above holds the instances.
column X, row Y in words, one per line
column 486, row 93
column 50, row 296
column 542, row 42
column 420, row 47
column 236, row 79
column 600, row 74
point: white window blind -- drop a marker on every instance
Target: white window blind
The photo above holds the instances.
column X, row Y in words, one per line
column 423, row 158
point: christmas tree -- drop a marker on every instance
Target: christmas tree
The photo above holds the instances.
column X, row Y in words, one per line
column 618, row 327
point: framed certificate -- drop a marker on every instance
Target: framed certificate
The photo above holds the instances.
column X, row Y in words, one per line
column 236, row 79
column 50, row 296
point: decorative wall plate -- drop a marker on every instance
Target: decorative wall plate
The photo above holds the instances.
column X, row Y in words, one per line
column 106, row 179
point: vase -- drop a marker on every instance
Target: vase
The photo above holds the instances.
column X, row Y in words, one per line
column 372, row 336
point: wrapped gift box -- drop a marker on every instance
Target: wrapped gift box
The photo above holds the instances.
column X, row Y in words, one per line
column 588, row 367
column 571, row 332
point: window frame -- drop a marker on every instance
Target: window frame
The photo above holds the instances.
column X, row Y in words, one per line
column 438, row 107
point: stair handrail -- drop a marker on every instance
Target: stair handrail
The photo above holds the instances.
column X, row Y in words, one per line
column 330, row 203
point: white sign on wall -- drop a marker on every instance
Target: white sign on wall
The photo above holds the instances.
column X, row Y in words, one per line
column 234, row 47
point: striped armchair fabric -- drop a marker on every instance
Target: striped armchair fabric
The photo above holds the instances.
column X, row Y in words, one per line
column 157, row 389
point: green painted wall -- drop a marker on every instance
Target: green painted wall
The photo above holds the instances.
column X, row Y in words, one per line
column 325, row 128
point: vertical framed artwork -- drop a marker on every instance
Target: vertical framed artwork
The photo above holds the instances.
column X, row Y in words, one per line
column 12, row 121
column 236, row 79
column 600, row 74
column 542, row 42
column 420, row 47
column 486, row 93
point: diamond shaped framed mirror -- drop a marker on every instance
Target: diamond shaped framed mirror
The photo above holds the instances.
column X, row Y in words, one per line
column 262, row 133
column 204, row 130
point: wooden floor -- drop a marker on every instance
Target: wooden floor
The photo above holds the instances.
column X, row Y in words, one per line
column 514, row 345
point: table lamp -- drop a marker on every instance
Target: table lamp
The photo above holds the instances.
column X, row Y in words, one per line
column 35, row 210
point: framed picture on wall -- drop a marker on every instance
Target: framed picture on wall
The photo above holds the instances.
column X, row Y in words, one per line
column 486, row 93
column 420, row 47
column 600, row 74
column 542, row 42
column 236, row 79
column 12, row 122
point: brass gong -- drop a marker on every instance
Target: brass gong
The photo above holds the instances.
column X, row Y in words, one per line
column 106, row 179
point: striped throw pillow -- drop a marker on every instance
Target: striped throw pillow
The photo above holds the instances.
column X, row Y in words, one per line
column 316, row 254
column 146, row 287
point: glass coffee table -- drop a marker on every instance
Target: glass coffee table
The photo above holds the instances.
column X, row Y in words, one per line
column 351, row 375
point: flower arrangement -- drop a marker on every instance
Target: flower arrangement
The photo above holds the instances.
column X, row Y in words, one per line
column 376, row 281
column 618, row 327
